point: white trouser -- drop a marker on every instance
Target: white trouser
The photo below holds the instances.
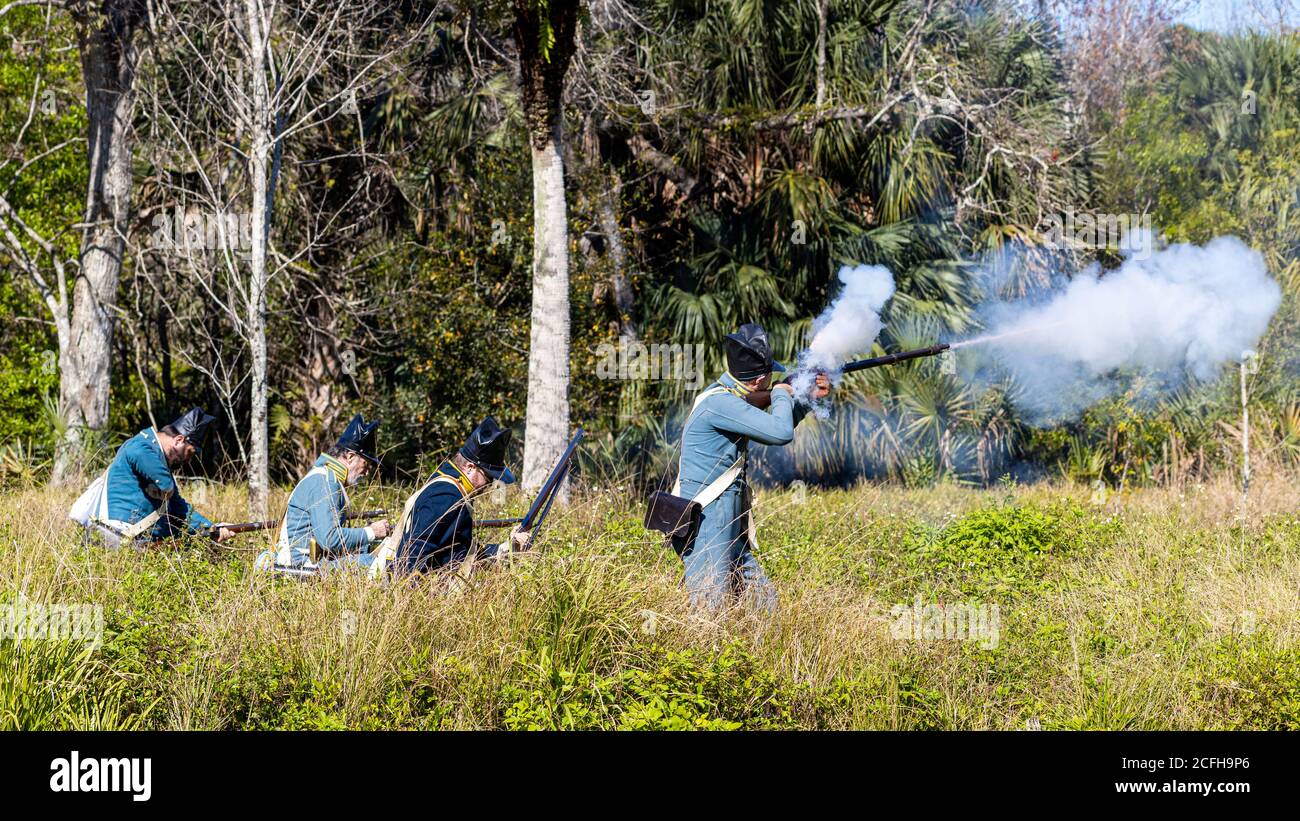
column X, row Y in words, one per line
column 110, row 539
column 360, row 561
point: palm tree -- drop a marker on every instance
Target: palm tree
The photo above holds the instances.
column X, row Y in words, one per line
column 782, row 140
column 544, row 35
column 1239, row 90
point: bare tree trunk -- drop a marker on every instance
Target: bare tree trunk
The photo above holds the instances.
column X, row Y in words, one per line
column 548, row 352
column 259, row 475
column 259, row 478
column 320, row 374
column 322, row 369
column 108, row 60
column 617, row 292
column 620, row 285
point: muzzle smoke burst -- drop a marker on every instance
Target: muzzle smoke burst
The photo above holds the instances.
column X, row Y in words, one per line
column 850, row 324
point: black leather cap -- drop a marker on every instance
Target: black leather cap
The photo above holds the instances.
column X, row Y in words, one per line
column 486, row 447
column 193, row 426
column 359, row 437
column 749, row 355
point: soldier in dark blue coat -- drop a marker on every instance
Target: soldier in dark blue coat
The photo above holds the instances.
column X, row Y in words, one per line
column 438, row 527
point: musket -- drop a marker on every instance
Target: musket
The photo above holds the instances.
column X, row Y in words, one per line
column 557, row 474
column 270, row 524
column 536, row 514
column 889, row 359
column 763, row 399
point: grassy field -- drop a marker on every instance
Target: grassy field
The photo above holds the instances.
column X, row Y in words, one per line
column 1152, row 609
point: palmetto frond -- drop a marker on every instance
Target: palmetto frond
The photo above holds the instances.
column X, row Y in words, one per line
column 1241, row 90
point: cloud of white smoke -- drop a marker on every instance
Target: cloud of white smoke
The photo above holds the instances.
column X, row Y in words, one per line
column 847, row 327
column 1184, row 311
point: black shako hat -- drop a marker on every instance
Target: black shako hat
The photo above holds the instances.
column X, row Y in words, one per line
column 749, row 355
column 193, row 427
column 486, row 447
column 359, row 437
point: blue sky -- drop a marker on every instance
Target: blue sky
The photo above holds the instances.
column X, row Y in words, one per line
column 1215, row 14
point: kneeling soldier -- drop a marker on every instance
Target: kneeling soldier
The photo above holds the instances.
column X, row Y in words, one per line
column 437, row 527
column 719, row 561
column 312, row 534
column 141, row 498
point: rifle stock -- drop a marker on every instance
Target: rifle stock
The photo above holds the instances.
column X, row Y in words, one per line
column 498, row 522
column 763, row 399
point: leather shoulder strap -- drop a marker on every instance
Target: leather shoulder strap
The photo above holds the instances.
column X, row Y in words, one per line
column 709, row 494
column 282, row 541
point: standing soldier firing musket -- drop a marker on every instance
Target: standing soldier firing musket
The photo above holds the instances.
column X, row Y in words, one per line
column 312, row 534
column 137, row 498
column 717, row 549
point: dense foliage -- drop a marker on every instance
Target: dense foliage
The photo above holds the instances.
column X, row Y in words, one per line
column 719, row 171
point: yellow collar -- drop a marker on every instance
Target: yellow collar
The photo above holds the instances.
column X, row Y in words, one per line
column 736, row 387
column 336, row 467
column 461, row 480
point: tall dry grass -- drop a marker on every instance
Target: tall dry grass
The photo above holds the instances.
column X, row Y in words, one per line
column 1152, row 609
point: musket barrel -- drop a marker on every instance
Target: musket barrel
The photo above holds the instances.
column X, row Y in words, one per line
column 247, row 527
column 549, row 486
column 497, row 522
column 271, row 524
column 889, row 359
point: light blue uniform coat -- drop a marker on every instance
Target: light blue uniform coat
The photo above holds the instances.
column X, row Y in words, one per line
column 315, row 511
column 721, row 564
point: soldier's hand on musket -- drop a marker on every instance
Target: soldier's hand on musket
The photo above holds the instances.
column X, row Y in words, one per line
column 821, row 387
column 223, row 533
column 784, row 386
column 381, row 528
column 519, row 539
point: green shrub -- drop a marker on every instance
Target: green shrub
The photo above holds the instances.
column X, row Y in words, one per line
column 991, row 549
column 1253, row 684
column 667, row 690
